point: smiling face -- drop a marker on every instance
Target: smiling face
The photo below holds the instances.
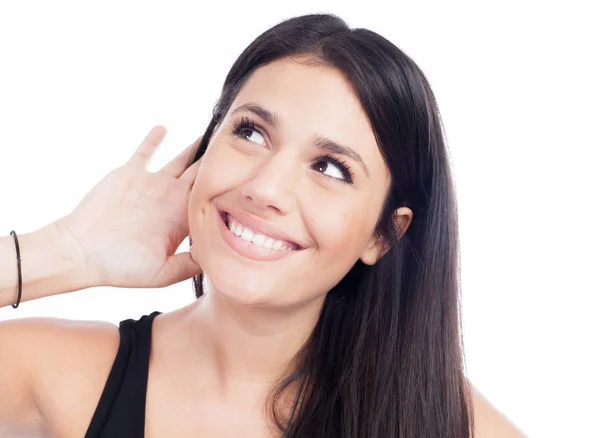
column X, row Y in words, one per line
column 289, row 190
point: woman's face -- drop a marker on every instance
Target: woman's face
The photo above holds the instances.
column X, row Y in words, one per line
column 295, row 169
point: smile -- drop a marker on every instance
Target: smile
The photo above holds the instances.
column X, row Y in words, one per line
column 250, row 235
column 252, row 244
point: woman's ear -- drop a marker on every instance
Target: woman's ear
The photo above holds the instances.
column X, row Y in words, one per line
column 377, row 246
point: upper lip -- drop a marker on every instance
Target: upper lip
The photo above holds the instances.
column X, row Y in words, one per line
column 260, row 226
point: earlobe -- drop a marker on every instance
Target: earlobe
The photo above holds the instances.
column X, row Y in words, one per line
column 377, row 246
column 375, row 249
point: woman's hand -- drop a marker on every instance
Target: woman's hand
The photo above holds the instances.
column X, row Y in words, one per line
column 127, row 228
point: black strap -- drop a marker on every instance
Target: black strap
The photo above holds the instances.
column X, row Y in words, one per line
column 121, row 411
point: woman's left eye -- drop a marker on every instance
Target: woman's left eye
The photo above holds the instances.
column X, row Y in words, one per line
column 333, row 168
column 329, row 169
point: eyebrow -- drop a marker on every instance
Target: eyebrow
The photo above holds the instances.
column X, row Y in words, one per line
column 322, row 142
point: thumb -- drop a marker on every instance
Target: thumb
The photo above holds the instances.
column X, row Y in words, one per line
column 179, row 267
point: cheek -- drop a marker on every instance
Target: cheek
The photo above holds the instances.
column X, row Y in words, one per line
column 219, row 171
column 208, row 184
column 342, row 230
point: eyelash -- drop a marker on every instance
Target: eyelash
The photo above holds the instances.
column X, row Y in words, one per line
column 243, row 124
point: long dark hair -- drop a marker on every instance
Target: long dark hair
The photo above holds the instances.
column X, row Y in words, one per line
column 385, row 358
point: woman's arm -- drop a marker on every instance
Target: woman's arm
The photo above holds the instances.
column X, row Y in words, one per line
column 33, row 348
column 49, row 266
column 124, row 233
column 41, row 361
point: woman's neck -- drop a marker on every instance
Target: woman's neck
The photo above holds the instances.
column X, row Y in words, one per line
column 247, row 348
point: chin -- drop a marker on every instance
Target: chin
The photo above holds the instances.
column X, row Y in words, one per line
column 241, row 290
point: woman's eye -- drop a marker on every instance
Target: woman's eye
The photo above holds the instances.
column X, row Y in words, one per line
column 329, row 169
column 252, row 135
column 334, row 168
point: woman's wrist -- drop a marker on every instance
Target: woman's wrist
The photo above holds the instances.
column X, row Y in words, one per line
column 50, row 265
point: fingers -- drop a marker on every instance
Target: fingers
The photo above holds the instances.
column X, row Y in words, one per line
column 189, row 176
column 179, row 267
column 147, row 147
column 178, row 165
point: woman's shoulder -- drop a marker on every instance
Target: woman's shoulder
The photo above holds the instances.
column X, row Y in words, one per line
column 489, row 422
column 69, row 364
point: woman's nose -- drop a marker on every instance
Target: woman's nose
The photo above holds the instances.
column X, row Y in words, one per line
column 272, row 186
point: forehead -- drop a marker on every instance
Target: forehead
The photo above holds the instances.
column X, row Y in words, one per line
column 312, row 100
column 319, row 93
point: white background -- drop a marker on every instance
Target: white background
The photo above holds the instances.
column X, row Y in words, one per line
column 517, row 84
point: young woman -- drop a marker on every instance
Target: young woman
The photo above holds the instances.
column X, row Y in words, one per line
column 320, row 207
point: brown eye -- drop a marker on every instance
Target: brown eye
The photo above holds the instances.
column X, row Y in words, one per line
column 333, row 168
column 329, row 169
column 246, row 130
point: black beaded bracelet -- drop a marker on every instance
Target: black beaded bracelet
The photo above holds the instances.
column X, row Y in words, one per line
column 18, row 269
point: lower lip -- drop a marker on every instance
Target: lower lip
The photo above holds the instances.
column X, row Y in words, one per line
column 249, row 249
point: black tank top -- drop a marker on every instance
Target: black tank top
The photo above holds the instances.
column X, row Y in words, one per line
column 121, row 411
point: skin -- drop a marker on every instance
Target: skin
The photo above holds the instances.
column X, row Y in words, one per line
column 213, row 361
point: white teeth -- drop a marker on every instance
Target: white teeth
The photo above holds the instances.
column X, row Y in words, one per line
column 269, row 243
column 258, row 239
column 247, row 234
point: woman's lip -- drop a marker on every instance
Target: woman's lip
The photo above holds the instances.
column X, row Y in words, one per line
column 249, row 249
